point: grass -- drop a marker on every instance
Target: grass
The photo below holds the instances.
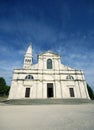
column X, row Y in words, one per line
column 3, row 98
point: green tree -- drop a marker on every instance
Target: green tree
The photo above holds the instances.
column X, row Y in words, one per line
column 7, row 88
column 90, row 91
column 2, row 85
column 4, row 89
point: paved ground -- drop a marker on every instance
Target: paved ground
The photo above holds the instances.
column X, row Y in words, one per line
column 47, row 117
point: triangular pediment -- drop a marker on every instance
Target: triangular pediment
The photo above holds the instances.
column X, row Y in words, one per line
column 50, row 53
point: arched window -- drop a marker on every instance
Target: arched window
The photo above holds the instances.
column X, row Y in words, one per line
column 69, row 77
column 29, row 77
column 27, row 60
column 49, row 64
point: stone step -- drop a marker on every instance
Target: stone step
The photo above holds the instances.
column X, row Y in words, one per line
column 46, row 101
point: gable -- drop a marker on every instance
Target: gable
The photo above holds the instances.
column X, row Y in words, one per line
column 49, row 54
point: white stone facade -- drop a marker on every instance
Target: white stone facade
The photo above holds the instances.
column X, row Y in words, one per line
column 47, row 79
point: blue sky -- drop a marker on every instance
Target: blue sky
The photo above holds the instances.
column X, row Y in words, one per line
column 63, row 26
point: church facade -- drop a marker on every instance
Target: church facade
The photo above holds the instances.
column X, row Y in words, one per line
column 47, row 79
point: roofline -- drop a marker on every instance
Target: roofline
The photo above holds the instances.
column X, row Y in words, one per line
column 48, row 52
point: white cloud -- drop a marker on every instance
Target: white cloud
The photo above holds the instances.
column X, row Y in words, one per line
column 6, row 69
column 84, row 61
column 79, row 60
column 73, row 49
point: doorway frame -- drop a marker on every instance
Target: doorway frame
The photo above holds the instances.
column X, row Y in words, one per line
column 27, row 92
column 49, row 89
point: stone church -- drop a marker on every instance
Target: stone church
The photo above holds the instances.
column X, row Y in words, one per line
column 47, row 79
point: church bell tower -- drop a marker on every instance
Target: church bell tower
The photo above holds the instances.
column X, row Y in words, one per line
column 28, row 58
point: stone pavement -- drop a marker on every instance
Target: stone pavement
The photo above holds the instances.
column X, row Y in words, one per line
column 47, row 117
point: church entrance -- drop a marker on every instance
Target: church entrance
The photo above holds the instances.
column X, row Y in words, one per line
column 49, row 90
column 27, row 92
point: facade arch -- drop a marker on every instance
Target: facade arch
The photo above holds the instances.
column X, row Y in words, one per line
column 49, row 64
column 69, row 77
column 29, row 77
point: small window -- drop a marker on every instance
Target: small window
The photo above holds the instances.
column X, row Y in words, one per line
column 29, row 77
column 69, row 77
column 71, row 90
column 27, row 60
column 49, row 64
